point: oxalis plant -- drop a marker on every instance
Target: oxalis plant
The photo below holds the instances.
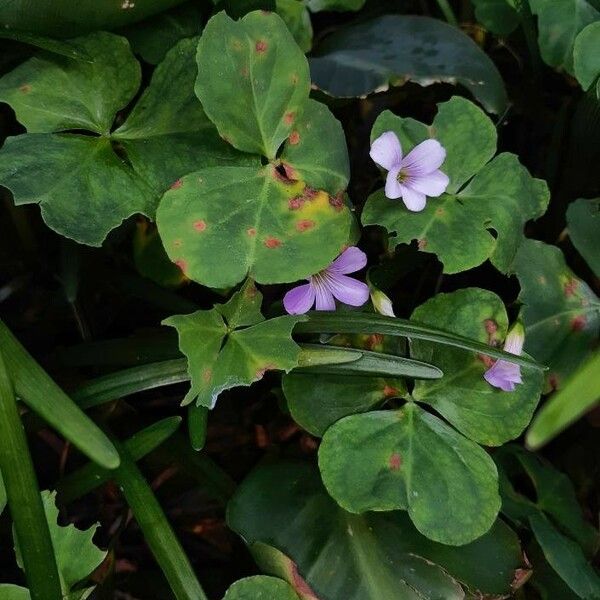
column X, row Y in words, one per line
column 299, row 372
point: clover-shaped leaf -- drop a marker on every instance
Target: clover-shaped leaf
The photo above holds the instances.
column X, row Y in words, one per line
column 501, row 195
column 260, row 587
column 560, row 312
column 220, row 224
column 87, row 184
column 232, row 345
column 484, row 414
column 262, row 84
column 296, row 531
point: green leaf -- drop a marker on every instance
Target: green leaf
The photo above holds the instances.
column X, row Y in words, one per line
column 337, row 5
column 560, row 312
column 261, row 69
column 316, row 150
column 14, row 592
column 374, row 556
column 287, row 231
column 116, row 174
column 297, row 18
column 559, row 23
column 410, row 459
column 392, row 49
column 232, row 345
column 317, row 401
column 90, row 93
column 45, row 43
column 580, row 393
column 260, row 587
column 583, row 222
column 76, row 554
column 501, row 196
column 498, row 16
column 35, row 387
column 566, row 558
column 483, row 413
column 586, row 55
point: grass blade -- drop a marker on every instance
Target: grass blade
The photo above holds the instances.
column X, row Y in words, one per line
column 156, row 529
column 24, row 500
column 328, row 322
column 91, row 476
column 37, row 389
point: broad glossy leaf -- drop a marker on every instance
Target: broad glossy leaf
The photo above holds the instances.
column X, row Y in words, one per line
column 559, row 23
column 374, row 556
column 372, row 55
column 260, row 587
column 116, row 175
column 498, row 16
column 337, row 5
column 297, row 18
column 76, row 554
column 232, row 345
column 410, row 459
column 566, row 558
column 263, row 80
column 317, row 401
column 583, row 221
column 89, row 94
column 580, row 393
column 560, row 311
column 274, row 230
column 586, row 55
column 502, row 196
column 483, row 413
column 316, row 152
column 8, row 591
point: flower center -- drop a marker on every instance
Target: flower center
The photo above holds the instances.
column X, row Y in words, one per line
column 402, row 175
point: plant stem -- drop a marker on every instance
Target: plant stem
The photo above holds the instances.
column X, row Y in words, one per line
column 447, row 11
column 24, row 500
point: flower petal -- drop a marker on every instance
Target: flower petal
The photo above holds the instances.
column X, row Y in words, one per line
column 349, row 291
column 324, row 297
column 414, row 200
column 503, row 375
column 299, row 300
column 349, row 261
column 386, row 150
column 433, row 184
column 426, row 157
column 393, row 189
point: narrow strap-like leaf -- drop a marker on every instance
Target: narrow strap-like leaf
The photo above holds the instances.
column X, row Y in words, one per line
column 197, row 425
column 37, row 389
column 329, row 322
column 91, row 476
column 24, row 500
column 157, row 531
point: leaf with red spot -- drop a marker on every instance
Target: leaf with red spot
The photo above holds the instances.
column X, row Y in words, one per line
column 262, row 83
column 560, row 312
column 233, row 345
column 229, row 222
column 316, row 152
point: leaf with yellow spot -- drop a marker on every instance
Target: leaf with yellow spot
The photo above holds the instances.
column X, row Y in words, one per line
column 221, row 224
column 232, row 345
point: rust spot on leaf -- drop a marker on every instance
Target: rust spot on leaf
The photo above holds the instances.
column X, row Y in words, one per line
column 177, row 243
column 289, row 117
column 25, row 88
column 182, row 264
column 261, row 372
column 490, row 326
column 570, row 287
column 207, row 375
column 520, row 578
column 244, row 72
column 395, row 462
column 488, row 361
column 177, row 184
column 295, row 203
column 390, row 391
column 261, row 46
column 236, row 44
column 374, row 340
column 422, row 244
column 295, row 78
column 553, row 381
column 290, row 172
column 272, row 242
column 337, row 202
column 251, row 231
column 578, row 323
column 294, row 138
column 300, row 585
column 305, row 225
column 200, row 225
column 440, row 211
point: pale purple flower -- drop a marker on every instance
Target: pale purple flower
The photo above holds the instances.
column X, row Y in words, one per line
column 503, row 374
column 323, row 288
column 414, row 176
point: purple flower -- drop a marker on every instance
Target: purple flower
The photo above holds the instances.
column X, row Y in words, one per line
column 503, row 374
column 414, row 176
column 331, row 283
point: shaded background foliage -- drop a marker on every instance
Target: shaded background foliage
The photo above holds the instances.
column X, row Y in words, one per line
column 63, row 300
